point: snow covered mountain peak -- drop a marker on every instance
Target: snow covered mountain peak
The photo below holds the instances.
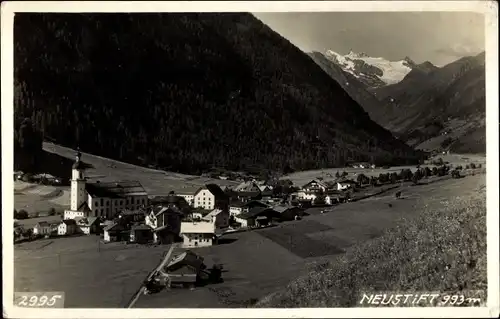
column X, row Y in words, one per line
column 372, row 71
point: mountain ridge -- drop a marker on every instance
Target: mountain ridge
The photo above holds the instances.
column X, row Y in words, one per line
column 187, row 92
column 374, row 72
column 431, row 108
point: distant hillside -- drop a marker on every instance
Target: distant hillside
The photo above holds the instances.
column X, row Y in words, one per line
column 188, row 92
column 445, row 105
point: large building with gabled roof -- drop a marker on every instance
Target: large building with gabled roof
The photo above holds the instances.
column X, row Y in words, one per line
column 102, row 200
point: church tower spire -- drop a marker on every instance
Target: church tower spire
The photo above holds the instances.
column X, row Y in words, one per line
column 77, row 183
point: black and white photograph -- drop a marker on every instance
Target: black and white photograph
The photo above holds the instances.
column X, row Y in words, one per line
column 250, row 157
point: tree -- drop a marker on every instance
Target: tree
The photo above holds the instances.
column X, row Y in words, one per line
column 472, row 165
column 428, row 172
column 394, row 177
column 320, row 199
column 434, row 171
column 344, row 174
column 362, row 179
column 373, row 181
column 22, row 214
column 337, row 175
column 28, row 233
column 416, row 177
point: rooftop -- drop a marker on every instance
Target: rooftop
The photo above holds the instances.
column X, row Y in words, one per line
column 140, row 227
column 258, row 211
column 282, row 208
column 201, row 227
column 213, row 213
column 118, row 189
column 216, row 190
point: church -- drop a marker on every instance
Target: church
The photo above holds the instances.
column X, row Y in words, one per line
column 102, row 200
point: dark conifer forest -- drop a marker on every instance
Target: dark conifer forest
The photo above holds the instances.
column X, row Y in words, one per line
column 187, row 92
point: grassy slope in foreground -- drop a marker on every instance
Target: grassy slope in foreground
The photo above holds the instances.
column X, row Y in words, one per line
column 411, row 257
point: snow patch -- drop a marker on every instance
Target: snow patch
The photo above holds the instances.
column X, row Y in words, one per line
column 392, row 71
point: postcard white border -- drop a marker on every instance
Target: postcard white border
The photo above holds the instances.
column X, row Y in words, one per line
column 488, row 8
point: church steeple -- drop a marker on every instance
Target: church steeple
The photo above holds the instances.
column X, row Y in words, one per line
column 77, row 183
column 78, row 163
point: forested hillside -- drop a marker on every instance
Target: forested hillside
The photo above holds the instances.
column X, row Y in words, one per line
column 187, row 92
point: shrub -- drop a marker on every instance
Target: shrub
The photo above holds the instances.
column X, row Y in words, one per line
column 52, row 211
column 472, row 165
column 22, row 214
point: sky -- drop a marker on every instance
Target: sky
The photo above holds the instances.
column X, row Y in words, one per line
column 438, row 37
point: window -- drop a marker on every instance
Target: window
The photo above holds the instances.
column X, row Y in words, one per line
column 96, row 204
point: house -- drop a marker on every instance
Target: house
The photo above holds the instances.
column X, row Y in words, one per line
column 87, row 225
column 184, row 268
column 345, row 184
column 249, row 186
column 266, row 191
column 187, row 192
column 198, row 234
column 333, row 197
column 211, row 196
column 42, row 229
column 141, row 234
column 173, row 200
column 236, row 208
column 288, row 212
column 257, row 216
column 67, row 227
column 306, row 195
column 314, row 186
column 108, row 199
column 115, row 232
column 132, row 216
column 101, row 199
column 249, row 196
column 219, row 217
column 165, row 221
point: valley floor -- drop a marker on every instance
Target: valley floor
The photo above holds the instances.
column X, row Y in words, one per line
column 258, row 262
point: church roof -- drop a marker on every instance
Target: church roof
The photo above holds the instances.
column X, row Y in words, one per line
column 118, row 189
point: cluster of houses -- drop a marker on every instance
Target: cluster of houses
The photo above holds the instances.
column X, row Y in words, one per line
column 197, row 216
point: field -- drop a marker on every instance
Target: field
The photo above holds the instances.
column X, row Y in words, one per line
column 257, row 263
column 441, row 249
column 303, row 177
column 41, row 198
column 155, row 182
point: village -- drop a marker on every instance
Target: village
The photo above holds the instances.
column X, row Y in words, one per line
column 194, row 217
column 122, row 210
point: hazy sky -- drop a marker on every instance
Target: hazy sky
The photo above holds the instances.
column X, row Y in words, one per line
column 439, row 37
